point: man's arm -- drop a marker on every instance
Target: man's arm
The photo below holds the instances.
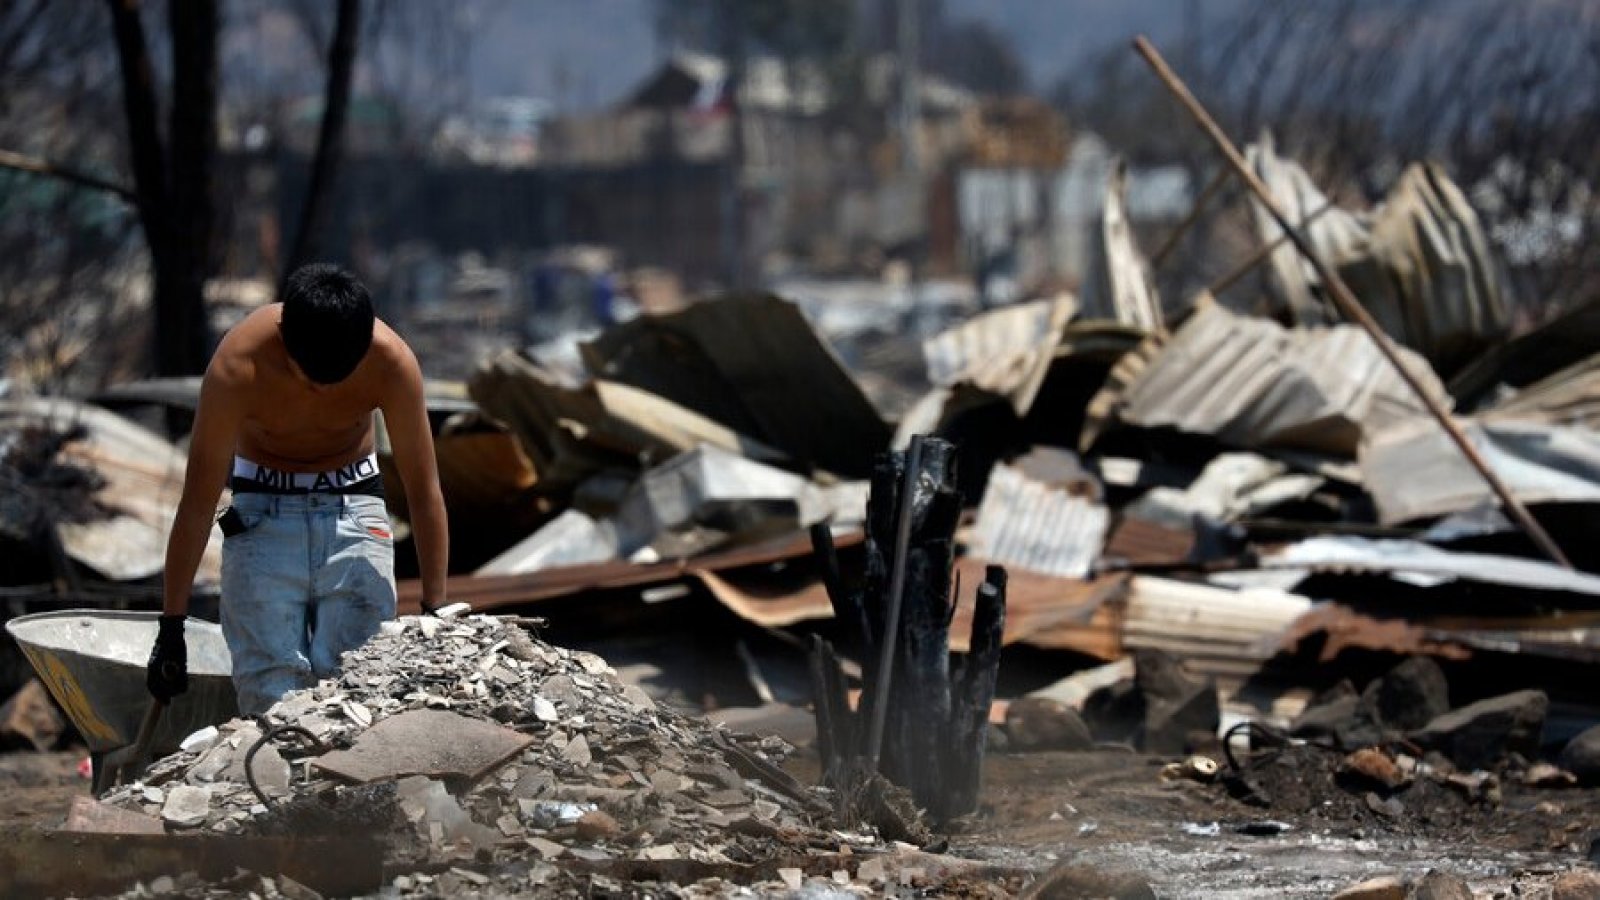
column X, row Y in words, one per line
column 211, row 446
column 405, row 415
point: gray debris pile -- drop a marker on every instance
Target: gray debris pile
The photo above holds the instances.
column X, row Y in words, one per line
column 493, row 745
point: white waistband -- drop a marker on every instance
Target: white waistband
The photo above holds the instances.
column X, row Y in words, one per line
column 333, row 480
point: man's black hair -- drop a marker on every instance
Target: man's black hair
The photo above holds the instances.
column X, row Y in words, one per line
column 327, row 322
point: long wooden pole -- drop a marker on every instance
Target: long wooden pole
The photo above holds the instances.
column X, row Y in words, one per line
column 1262, row 252
column 1346, row 301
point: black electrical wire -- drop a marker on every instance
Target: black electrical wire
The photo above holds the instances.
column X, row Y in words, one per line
column 271, row 733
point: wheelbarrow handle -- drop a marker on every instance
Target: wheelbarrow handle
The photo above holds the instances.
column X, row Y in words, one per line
column 129, row 760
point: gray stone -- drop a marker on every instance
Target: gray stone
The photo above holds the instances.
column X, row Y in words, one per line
column 1169, row 724
column 1327, row 711
column 1035, row 723
column 1477, row 736
column 1413, row 694
column 187, row 806
column 1437, row 885
column 1079, row 882
column 1581, row 756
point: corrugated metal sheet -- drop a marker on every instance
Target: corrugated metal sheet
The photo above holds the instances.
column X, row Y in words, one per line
column 1570, row 397
column 1005, row 352
column 754, row 365
column 1423, row 565
column 1420, row 262
column 1254, row 384
column 1118, row 285
column 1039, row 527
column 1214, row 630
column 143, row 480
column 1414, row 471
column 570, row 434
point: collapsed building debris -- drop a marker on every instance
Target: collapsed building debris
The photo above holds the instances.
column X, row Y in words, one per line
column 1419, row 261
column 568, row 766
column 1255, row 385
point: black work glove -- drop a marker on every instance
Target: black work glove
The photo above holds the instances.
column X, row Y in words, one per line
column 167, row 675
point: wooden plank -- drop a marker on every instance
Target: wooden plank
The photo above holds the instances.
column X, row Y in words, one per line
column 38, row 863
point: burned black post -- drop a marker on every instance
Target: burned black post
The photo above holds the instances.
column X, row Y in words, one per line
column 973, row 691
column 917, row 725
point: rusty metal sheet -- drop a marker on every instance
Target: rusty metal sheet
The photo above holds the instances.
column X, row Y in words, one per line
column 486, row 593
column 39, row 863
column 410, row 744
column 1141, row 542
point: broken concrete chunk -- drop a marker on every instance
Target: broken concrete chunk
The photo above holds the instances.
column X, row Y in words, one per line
column 1478, row 735
column 546, row 848
column 187, row 806
column 577, row 751
column 544, row 710
column 425, row 742
column 90, row 815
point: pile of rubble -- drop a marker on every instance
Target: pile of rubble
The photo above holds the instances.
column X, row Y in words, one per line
column 477, row 752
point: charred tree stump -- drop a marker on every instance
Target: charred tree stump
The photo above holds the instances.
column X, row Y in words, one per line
column 919, row 724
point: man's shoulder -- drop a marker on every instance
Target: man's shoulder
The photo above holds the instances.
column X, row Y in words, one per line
column 392, row 349
column 240, row 351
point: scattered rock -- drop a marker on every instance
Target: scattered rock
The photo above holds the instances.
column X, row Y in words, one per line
column 1078, row 882
column 1387, row 887
column 1437, row 885
column 1371, row 766
column 1329, row 715
column 1578, row 884
column 1171, row 705
column 1479, row 735
column 1581, row 756
column 1035, row 723
column 187, row 806
column 30, row 720
column 1410, row 696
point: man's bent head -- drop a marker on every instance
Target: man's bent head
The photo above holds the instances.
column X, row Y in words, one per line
column 327, row 322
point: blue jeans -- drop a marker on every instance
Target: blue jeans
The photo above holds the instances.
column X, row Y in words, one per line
column 311, row 576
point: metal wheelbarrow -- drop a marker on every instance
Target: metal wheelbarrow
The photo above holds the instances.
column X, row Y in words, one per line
column 93, row 663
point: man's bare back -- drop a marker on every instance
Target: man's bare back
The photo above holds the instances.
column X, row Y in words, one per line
column 289, row 422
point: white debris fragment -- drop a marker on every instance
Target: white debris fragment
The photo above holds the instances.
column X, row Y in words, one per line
column 187, row 806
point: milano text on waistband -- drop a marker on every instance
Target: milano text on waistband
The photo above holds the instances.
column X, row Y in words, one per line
column 307, row 482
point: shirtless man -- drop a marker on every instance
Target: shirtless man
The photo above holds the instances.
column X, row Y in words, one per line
column 308, row 560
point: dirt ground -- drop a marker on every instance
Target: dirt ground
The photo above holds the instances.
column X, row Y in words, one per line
column 37, row 788
column 1114, row 811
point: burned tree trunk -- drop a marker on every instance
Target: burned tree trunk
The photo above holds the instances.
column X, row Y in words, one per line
column 330, row 138
column 174, row 192
column 918, row 724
